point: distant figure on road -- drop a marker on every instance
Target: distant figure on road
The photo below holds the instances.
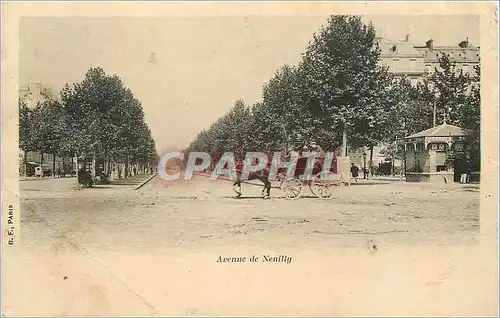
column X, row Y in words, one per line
column 59, row 172
column 354, row 172
column 466, row 174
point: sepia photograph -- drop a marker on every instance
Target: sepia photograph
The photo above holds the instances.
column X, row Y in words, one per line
column 244, row 162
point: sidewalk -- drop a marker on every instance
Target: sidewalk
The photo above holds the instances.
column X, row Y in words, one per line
column 58, row 185
column 137, row 179
column 43, row 178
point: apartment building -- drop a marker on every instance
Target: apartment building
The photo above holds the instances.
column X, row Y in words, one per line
column 417, row 61
column 34, row 93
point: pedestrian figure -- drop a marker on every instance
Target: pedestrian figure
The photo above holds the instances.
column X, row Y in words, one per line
column 354, row 172
column 59, row 172
column 466, row 171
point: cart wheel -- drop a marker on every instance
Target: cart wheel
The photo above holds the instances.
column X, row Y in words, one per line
column 291, row 188
column 320, row 187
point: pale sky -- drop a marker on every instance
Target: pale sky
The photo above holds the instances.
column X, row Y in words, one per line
column 187, row 72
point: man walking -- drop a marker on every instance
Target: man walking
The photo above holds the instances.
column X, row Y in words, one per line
column 354, row 172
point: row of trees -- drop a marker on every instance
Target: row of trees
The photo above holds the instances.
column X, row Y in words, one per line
column 340, row 83
column 97, row 114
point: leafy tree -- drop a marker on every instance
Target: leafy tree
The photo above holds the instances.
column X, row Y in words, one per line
column 453, row 86
column 469, row 112
column 101, row 113
column 345, row 82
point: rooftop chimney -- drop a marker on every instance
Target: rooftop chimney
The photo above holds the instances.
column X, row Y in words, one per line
column 407, row 38
column 464, row 43
column 430, row 44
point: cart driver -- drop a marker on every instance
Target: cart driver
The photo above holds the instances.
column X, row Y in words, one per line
column 317, row 148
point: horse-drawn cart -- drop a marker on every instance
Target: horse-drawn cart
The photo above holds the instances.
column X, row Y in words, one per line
column 320, row 182
column 320, row 185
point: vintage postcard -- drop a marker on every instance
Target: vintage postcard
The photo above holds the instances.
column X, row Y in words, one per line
column 238, row 158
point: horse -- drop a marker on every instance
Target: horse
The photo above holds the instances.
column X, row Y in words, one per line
column 261, row 175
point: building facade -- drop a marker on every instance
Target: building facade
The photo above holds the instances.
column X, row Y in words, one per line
column 33, row 94
column 50, row 164
column 417, row 61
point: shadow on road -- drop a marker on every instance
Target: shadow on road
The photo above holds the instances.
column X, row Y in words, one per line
column 132, row 181
column 272, row 197
column 369, row 183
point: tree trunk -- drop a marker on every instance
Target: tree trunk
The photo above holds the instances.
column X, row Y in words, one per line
column 93, row 165
column 126, row 168
column 364, row 164
column 63, row 170
column 53, row 165
column 41, row 165
column 25, row 159
column 371, row 161
column 76, row 170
